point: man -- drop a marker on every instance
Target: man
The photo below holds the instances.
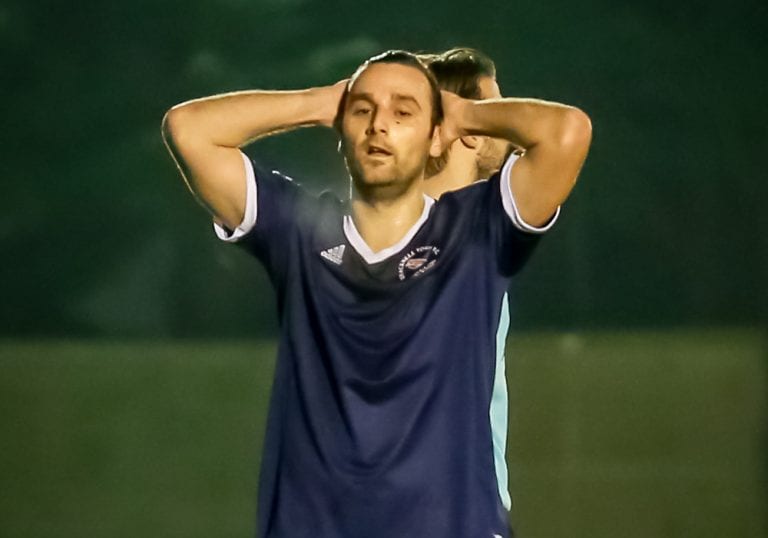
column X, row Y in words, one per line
column 470, row 74
column 380, row 420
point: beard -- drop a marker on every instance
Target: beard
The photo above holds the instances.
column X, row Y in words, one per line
column 387, row 179
column 491, row 156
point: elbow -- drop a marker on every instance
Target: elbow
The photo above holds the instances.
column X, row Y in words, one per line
column 166, row 126
column 182, row 130
column 576, row 130
column 186, row 126
column 575, row 139
column 173, row 126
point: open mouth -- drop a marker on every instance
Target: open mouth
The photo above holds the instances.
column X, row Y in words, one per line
column 378, row 151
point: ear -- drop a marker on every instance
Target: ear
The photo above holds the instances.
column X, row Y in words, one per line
column 436, row 147
column 470, row 142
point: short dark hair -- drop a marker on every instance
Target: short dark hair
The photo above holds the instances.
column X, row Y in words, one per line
column 401, row 57
column 460, row 69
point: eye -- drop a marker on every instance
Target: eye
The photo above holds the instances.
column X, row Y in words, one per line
column 403, row 113
column 361, row 111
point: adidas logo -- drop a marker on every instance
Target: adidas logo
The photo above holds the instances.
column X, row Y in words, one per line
column 334, row 254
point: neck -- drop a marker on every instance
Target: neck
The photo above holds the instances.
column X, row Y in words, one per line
column 382, row 222
column 459, row 171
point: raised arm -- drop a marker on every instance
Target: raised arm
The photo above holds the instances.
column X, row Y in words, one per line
column 204, row 137
column 555, row 138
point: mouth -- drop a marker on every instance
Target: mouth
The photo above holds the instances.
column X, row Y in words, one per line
column 378, row 151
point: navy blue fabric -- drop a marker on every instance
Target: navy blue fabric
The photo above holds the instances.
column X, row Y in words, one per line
column 378, row 425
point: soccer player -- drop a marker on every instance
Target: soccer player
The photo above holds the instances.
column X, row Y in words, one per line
column 381, row 419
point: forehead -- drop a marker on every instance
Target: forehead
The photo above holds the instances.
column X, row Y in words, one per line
column 392, row 79
column 489, row 88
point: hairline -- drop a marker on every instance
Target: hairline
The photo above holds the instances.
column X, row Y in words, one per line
column 360, row 70
column 435, row 112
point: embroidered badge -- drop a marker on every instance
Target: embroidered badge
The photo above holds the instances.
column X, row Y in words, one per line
column 417, row 262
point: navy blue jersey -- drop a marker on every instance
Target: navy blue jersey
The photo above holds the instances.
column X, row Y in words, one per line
column 388, row 411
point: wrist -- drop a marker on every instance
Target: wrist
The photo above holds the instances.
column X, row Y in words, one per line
column 467, row 119
column 325, row 102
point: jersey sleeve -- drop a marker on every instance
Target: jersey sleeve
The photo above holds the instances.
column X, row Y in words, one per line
column 510, row 207
column 271, row 208
column 513, row 239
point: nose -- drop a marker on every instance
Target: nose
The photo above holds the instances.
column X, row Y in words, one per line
column 378, row 123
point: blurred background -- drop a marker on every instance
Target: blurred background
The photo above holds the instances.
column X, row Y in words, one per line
column 136, row 351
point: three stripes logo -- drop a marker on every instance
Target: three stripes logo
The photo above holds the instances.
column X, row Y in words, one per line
column 334, row 254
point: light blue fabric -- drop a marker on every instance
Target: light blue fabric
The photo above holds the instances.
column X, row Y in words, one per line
column 498, row 412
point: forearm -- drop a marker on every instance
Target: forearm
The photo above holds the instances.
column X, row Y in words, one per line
column 235, row 119
column 524, row 122
column 555, row 138
column 204, row 137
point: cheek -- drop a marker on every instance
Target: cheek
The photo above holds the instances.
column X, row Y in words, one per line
column 415, row 141
column 351, row 127
column 347, row 145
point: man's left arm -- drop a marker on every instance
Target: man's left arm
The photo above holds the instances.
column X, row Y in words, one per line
column 555, row 138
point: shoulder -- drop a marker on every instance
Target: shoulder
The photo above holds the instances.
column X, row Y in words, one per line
column 275, row 182
column 462, row 210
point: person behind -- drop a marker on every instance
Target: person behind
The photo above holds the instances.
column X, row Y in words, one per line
column 381, row 419
column 470, row 74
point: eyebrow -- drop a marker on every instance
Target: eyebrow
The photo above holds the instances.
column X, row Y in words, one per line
column 365, row 96
column 409, row 98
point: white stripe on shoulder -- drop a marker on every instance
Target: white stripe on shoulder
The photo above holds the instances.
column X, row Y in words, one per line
column 249, row 218
column 510, row 207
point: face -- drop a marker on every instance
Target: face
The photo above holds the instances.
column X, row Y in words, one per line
column 492, row 151
column 386, row 130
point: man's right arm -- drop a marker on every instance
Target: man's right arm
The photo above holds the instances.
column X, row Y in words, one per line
column 204, row 137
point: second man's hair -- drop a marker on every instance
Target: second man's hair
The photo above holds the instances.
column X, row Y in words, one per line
column 459, row 70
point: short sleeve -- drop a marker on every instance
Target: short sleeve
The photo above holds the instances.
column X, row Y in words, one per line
column 249, row 217
column 514, row 240
column 269, row 217
column 508, row 201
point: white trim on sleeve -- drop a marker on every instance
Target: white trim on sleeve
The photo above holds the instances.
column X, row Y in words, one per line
column 508, row 200
column 249, row 218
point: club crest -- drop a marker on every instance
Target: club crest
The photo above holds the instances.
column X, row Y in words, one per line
column 417, row 262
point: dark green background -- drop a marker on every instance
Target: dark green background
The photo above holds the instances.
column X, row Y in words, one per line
column 98, row 236
column 130, row 405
